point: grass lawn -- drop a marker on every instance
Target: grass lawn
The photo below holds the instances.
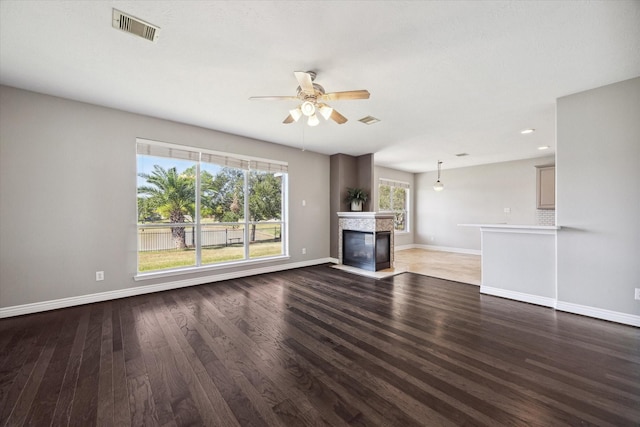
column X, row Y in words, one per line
column 161, row 260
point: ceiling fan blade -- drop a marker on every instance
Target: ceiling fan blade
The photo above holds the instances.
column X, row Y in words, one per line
column 338, row 118
column 305, row 81
column 288, row 120
column 273, row 98
column 345, row 96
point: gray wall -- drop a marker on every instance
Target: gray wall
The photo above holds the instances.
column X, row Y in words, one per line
column 68, row 195
column 400, row 239
column 474, row 195
column 347, row 171
column 598, row 197
column 343, row 174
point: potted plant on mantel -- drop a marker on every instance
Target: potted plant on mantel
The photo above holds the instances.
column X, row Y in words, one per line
column 356, row 197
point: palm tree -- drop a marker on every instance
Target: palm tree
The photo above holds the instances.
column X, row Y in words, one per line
column 174, row 195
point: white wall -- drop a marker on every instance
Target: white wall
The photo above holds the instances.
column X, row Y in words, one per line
column 68, row 195
column 598, row 197
column 400, row 239
column 475, row 195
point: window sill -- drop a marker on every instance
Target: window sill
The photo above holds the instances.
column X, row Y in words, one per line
column 204, row 268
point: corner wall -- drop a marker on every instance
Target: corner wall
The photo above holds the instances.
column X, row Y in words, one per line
column 68, row 197
column 598, row 199
column 347, row 171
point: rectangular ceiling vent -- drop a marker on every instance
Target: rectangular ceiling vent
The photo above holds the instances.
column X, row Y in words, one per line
column 135, row 26
column 369, row 120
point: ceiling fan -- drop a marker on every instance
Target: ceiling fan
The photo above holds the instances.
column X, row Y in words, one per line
column 313, row 97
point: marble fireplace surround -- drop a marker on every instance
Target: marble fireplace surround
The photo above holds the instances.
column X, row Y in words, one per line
column 365, row 221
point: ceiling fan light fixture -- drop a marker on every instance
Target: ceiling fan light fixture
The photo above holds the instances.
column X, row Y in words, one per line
column 308, row 109
column 326, row 111
column 313, row 120
column 296, row 113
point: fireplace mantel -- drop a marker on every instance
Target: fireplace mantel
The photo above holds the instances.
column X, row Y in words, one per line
column 370, row 222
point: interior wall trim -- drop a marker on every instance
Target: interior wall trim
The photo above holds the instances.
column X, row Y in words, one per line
column 19, row 310
column 444, row 249
column 518, row 296
column 599, row 313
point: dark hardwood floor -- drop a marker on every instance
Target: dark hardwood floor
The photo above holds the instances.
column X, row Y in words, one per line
column 318, row 346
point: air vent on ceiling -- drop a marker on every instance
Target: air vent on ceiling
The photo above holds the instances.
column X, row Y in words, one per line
column 369, row 120
column 135, row 26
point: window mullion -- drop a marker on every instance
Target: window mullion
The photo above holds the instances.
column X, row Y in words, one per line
column 246, row 214
column 196, row 218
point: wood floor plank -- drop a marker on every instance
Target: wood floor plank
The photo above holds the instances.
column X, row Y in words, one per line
column 23, row 405
column 85, row 401
column 211, row 405
column 351, row 404
column 106, row 400
column 459, row 375
column 62, row 413
column 121, row 410
column 17, row 368
column 141, row 404
column 46, row 399
column 279, row 369
column 317, row 346
column 263, row 328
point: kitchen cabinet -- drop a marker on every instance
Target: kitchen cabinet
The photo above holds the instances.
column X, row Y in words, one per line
column 546, row 187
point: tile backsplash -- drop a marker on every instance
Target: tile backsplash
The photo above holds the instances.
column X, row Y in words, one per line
column 546, row 216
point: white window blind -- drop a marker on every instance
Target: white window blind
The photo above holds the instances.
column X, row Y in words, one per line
column 159, row 149
column 397, row 184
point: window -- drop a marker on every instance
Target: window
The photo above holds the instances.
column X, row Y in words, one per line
column 393, row 197
column 198, row 208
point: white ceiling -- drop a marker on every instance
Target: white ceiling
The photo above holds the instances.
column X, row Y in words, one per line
column 445, row 77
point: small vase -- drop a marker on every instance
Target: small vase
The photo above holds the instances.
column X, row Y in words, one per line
column 356, row 205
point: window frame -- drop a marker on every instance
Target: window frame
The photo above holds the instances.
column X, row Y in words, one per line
column 407, row 210
column 248, row 164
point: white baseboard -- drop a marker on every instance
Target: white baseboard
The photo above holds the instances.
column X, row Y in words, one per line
column 518, row 296
column 440, row 248
column 599, row 313
column 18, row 310
column 334, row 260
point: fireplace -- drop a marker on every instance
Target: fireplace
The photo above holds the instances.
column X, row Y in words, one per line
column 365, row 240
column 366, row 250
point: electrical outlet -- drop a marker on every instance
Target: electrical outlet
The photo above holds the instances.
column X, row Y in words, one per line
column 304, row 251
column 638, row 293
column 507, row 210
column 99, row 276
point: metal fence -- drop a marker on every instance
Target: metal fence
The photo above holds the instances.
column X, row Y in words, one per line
column 151, row 239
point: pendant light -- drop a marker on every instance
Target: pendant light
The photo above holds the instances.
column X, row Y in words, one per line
column 438, row 186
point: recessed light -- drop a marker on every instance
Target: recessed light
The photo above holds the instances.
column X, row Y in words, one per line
column 544, row 147
column 527, row 131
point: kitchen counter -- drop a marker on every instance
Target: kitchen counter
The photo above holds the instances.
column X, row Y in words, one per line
column 514, row 227
column 519, row 262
